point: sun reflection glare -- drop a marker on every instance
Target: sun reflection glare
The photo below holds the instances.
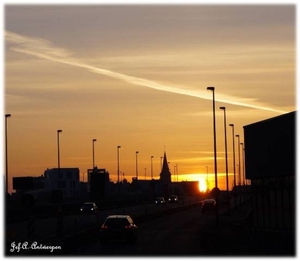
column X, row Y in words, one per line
column 202, row 185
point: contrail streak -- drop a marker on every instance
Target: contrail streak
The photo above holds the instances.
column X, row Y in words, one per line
column 44, row 49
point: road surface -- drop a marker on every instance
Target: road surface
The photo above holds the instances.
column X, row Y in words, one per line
column 177, row 234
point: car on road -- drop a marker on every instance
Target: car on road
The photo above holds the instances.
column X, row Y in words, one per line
column 118, row 228
column 89, row 208
column 208, row 204
column 160, row 200
column 173, row 199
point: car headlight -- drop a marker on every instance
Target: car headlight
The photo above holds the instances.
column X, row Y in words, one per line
column 81, row 209
column 92, row 209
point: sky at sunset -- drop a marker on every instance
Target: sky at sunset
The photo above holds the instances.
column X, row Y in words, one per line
column 136, row 76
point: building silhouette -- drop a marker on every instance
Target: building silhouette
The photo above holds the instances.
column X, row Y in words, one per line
column 270, row 152
column 98, row 183
column 68, row 182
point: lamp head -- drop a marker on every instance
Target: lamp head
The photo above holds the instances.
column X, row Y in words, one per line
column 58, row 131
column 7, row 115
column 222, row 108
column 210, row 88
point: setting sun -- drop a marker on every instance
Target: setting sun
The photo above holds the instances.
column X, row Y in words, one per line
column 202, row 185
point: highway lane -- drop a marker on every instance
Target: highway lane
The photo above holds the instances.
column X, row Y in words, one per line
column 177, row 234
column 46, row 228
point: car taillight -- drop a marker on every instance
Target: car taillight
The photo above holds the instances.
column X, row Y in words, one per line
column 128, row 227
column 104, row 227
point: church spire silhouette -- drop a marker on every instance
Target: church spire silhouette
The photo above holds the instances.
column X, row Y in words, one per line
column 165, row 174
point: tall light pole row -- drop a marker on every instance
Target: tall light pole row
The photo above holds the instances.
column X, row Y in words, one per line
column 118, row 147
column 58, row 158
column 136, row 164
column 226, row 157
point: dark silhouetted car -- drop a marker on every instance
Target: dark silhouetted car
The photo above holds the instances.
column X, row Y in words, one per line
column 159, row 200
column 173, row 199
column 118, row 228
column 89, row 208
column 208, row 204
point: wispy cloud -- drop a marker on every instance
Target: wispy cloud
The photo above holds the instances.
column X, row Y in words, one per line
column 46, row 50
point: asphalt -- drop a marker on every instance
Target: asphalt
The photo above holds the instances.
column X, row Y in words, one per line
column 234, row 235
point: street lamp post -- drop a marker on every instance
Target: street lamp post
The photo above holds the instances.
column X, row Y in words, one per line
column 214, row 129
column 6, row 157
column 239, row 159
column 136, row 165
column 118, row 159
column 243, row 169
column 60, row 214
column 239, row 169
column 215, row 149
column 145, row 173
column 244, row 172
column 234, row 178
column 174, row 174
column 206, row 177
column 226, row 159
column 94, row 153
column 58, row 159
column 152, row 167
